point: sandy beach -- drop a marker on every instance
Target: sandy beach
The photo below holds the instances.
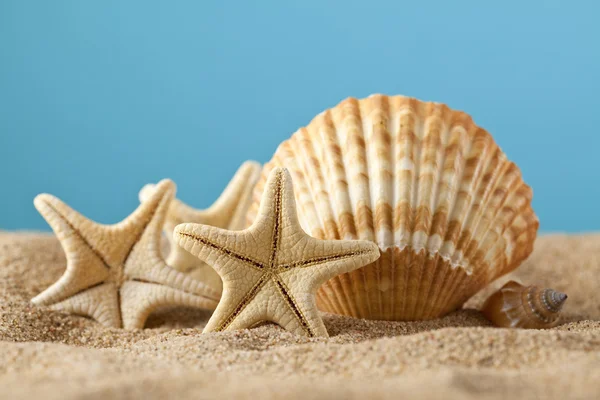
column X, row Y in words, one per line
column 52, row 355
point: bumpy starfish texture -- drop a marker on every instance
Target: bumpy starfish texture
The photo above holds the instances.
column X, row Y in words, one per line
column 272, row 270
column 115, row 273
column 228, row 211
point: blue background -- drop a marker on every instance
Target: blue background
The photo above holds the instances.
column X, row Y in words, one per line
column 98, row 98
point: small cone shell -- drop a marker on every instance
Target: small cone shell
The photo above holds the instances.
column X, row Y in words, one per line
column 449, row 212
column 528, row 307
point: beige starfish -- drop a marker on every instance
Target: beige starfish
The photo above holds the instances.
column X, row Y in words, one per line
column 115, row 273
column 272, row 270
column 228, row 211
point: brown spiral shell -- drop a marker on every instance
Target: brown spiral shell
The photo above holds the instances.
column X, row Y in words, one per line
column 528, row 307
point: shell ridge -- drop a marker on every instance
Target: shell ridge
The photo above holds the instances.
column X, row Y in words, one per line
column 323, row 301
column 353, row 195
column 452, row 297
column 405, row 169
column 529, row 231
column 433, row 249
column 472, row 211
column 437, row 202
column 327, row 204
column 493, row 206
column 347, row 284
column 392, row 156
column 458, row 208
column 385, row 204
column 406, row 276
column 306, row 155
column 332, row 158
column 525, row 240
column 371, row 167
column 417, row 148
column 496, row 246
column 333, row 297
column 510, row 197
column 426, row 196
column 324, row 206
column 457, row 138
column 483, row 217
column 384, row 222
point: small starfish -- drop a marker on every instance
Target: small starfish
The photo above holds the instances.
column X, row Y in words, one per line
column 228, row 211
column 272, row 270
column 115, row 273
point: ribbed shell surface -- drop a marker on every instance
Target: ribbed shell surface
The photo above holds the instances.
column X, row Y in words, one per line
column 449, row 212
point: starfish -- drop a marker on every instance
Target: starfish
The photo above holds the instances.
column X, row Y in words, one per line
column 228, row 211
column 115, row 273
column 272, row 270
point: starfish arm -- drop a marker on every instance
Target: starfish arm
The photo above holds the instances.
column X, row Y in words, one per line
column 244, row 178
column 178, row 212
column 218, row 247
column 280, row 181
column 146, row 192
column 85, row 264
column 239, row 293
column 242, row 187
column 276, row 303
column 277, row 195
column 100, row 303
column 145, row 263
column 301, row 305
column 221, row 212
column 328, row 258
column 227, row 212
column 189, row 264
column 148, row 217
column 180, row 259
column 139, row 299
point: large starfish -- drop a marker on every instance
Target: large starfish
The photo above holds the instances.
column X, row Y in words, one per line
column 115, row 273
column 272, row 270
column 228, row 211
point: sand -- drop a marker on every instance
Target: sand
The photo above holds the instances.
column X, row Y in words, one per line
column 52, row 355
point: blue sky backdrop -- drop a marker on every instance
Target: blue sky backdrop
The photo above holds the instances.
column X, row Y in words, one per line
column 99, row 98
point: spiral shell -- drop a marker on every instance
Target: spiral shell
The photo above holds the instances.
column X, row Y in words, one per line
column 528, row 307
column 449, row 212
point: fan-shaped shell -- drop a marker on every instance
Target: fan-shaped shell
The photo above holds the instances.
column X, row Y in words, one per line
column 519, row 306
column 449, row 212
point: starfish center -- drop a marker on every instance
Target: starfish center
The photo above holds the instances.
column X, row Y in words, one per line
column 117, row 276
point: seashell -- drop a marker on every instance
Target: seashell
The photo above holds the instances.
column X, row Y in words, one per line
column 519, row 306
column 449, row 212
column 228, row 211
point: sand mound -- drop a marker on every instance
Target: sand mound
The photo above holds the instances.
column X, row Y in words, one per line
column 47, row 354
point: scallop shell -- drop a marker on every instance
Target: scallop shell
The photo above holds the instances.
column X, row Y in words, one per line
column 228, row 212
column 529, row 307
column 449, row 212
